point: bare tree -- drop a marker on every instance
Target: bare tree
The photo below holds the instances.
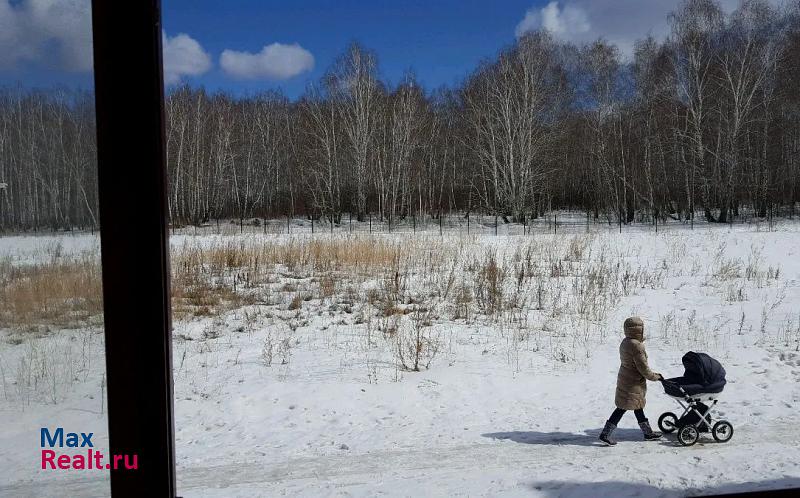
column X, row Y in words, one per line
column 353, row 86
column 511, row 111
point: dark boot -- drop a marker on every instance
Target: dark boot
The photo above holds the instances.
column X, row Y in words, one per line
column 605, row 435
column 649, row 434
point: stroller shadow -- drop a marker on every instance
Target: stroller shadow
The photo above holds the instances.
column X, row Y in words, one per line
column 588, row 438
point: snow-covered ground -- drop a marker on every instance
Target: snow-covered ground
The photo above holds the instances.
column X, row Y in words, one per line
column 521, row 381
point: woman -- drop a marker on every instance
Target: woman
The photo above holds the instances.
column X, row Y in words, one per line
column 632, row 381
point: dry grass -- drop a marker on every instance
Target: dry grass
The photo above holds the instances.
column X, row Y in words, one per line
column 560, row 281
column 65, row 293
column 210, row 277
column 489, row 284
column 196, row 296
column 327, row 286
column 207, row 279
column 570, row 278
column 231, row 271
column 297, row 302
column 354, row 254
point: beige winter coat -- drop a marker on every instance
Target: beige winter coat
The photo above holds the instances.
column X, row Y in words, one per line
column 633, row 370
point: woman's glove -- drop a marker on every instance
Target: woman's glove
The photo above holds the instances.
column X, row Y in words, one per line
column 660, row 377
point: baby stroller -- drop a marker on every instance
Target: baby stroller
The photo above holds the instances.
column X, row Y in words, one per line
column 697, row 392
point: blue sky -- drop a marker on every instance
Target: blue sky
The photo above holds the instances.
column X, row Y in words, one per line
column 221, row 44
column 440, row 40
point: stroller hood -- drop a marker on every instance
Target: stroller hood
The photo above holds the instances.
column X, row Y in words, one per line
column 704, row 372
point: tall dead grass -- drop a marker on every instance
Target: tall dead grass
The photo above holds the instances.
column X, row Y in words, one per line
column 559, row 279
column 353, row 254
column 208, row 277
column 63, row 292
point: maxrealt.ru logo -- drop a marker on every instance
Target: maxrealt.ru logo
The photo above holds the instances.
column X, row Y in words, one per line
column 88, row 460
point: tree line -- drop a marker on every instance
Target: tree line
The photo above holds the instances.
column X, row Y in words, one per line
column 703, row 123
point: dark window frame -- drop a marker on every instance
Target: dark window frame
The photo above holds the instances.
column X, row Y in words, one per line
column 134, row 242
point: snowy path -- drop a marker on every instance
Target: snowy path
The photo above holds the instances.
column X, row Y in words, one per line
column 505, row 467
column 519, row 465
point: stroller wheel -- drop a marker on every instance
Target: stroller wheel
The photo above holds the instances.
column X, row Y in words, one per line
column 722, row 431
column 688, row 435
column 668, row 422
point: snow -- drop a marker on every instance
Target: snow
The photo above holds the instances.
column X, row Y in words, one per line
column 507, row 408
column 26, row 249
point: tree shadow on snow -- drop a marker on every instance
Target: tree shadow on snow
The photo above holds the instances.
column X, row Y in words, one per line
column 588, row 438
column 621, row 489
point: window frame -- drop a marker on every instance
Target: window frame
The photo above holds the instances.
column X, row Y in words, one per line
column 134, row 243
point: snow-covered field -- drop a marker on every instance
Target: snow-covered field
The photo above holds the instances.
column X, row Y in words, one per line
column 300, row 389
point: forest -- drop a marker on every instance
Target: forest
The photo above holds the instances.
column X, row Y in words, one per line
column 703, row 123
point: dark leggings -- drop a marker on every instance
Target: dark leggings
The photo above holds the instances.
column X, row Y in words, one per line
column 619, row 412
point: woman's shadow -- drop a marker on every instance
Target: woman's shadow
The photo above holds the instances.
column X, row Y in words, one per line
column 588, row 438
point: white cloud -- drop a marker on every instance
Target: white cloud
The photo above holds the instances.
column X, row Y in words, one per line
column 53, row 31
column 183, row 56
column 59, row 33
column 562, row 22
column 274, row 62
column 621, row 22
